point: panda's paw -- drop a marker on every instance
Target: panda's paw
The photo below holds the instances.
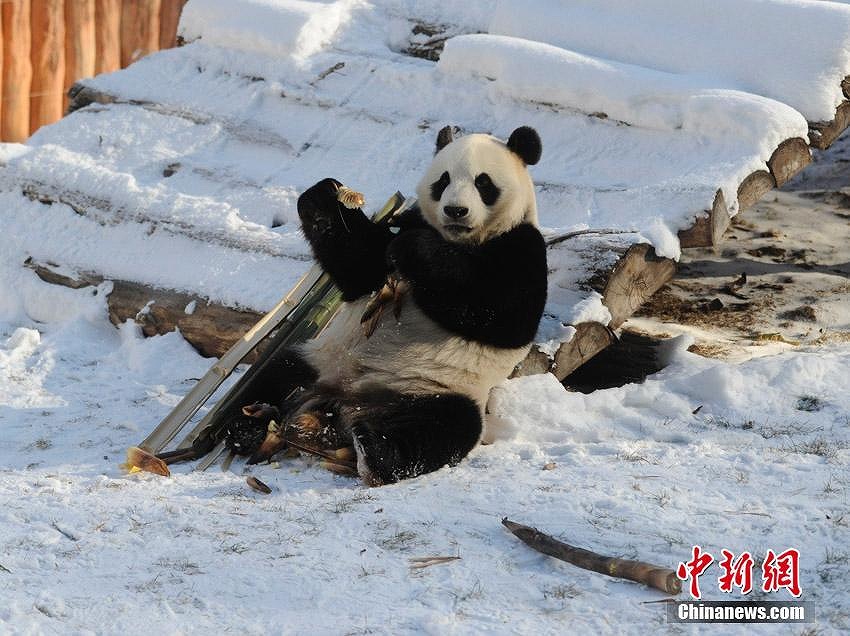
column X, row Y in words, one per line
column 318, row 206
column 369, row 456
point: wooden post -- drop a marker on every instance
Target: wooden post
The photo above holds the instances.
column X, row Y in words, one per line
column 107, row 35
column 48, row 62
column 79, row 42
column 169, row 19
column 17, row 70
column 139, row 29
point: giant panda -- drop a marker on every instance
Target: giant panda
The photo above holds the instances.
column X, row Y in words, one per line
column 407, row 396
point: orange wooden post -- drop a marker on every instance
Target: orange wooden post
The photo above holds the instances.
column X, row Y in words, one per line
column 1, row 66
column 79, row 42
column 17, row 70
column 169, row 18
column 48, row 62
column 139, row 29
column 107, row 35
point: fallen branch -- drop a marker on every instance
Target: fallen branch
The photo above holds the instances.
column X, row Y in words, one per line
column 652, row 575
column 560, row 238
column 418, row 563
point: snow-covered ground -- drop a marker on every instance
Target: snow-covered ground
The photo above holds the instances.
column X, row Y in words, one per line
column 629, row 471
column 189, row 181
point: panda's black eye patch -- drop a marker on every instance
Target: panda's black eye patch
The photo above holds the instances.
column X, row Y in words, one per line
column 439, row 186
column 487, row 189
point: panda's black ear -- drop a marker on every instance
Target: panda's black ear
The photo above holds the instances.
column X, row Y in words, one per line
column 444, row 138
column 525, row 142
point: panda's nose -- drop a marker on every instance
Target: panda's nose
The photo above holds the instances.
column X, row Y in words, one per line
column 455, row 212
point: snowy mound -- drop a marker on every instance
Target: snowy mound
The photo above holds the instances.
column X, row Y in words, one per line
column 183, row 170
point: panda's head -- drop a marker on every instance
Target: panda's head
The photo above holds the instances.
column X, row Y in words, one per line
column 478, row 187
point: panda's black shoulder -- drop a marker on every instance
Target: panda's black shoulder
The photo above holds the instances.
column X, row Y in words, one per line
column 523, row 246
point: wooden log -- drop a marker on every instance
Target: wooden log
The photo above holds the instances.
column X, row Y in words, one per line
column 80, row 42
column 631, row 282
column 634, row 278
column 48, row 62
column 707, row 230
column 17, row 70
column 210, row 328
column 107, row 15
column 791, row 156
column 845, row 87
column 660, row 578
column 139, row 29
column 168, row 21
column 754, row 187
column 823, row 134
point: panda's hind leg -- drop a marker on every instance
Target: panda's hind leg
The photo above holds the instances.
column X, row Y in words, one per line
column 400, row 436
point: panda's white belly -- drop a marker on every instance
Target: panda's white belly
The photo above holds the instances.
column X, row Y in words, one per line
column 412, row 355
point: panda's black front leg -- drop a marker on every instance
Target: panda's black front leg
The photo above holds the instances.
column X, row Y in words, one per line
column 345, row 243
column 402, row 436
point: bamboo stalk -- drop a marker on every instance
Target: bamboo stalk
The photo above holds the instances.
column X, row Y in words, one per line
column 139, row 29
column 48, row 62
column 168, row 21
column 652, row 575
column 80, row 42
column 17, row 71
column 107, row 35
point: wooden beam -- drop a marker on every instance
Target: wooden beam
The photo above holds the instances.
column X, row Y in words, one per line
column 139, row 29
column 80, row 42
column 48, row 62
column 17, row 70
column 107, row 36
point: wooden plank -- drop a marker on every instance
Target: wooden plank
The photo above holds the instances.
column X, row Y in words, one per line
column 823, row 134
column 48, row 62
column 169, row 18
column 107, row 35
column 17, row 70
column 80, row 42
column 707, row 230
column 139, row 29
column 791, row 156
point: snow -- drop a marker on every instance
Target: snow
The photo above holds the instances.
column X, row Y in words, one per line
column 523, row 69
column 294, row 28
column 189, row 181
column 788, row 50
column 629, row 471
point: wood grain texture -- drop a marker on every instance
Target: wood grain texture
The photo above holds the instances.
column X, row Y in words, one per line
column 47, row 53
column 80, row 41
column 823, row 134
column 754, row 187
column 107, row 35
column 17, row 70
column 707, row 230
column 791, row 156
column 139, row 29
column 169, row 18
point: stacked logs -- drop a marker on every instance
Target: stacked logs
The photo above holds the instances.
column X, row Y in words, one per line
column 50, row 44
